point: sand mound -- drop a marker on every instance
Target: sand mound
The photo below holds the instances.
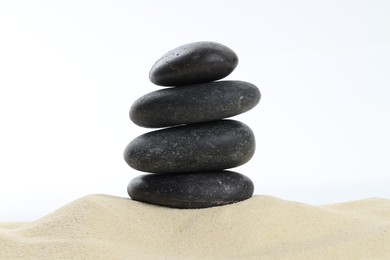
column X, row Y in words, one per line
column 107, row 227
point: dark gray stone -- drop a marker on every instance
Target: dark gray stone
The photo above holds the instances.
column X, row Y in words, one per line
column 193, row 63
column 191, row 190
column 198, row 147
column 194, row 103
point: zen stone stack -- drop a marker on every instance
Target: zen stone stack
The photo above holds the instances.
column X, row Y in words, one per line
column 186, row 160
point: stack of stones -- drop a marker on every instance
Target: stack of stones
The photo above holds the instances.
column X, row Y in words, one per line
column 188, row 157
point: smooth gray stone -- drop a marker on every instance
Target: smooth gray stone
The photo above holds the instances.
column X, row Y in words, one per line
column 194, row 103
column 193, row 63
column 198, row 147
column 191, row 190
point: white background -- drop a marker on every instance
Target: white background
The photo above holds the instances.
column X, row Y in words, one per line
column 69, row 71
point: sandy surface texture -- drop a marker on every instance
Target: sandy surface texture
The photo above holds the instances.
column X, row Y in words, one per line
column 108, row 227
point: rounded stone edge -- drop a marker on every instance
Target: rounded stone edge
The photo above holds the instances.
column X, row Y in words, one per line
column 137, row 119
column 172, row 202
column 155, row 81
column 135, row 164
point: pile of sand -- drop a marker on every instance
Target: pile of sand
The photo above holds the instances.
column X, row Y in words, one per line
column 107, row 227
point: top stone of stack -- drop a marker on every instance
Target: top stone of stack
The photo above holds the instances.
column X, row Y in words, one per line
column 193, row 63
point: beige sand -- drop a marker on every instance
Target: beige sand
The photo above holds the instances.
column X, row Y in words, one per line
column 107, row 227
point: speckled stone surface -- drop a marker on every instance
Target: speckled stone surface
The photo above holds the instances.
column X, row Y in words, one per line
column 198, row 147
column 193, row 63
column 191, row 190
column 194, row 103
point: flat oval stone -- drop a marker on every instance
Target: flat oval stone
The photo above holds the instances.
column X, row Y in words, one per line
column 191, row 190
column 194, row 103
column 193, row 63
column 198, row 147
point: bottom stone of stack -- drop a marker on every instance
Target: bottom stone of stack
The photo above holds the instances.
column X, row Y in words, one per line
column 191, row 190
